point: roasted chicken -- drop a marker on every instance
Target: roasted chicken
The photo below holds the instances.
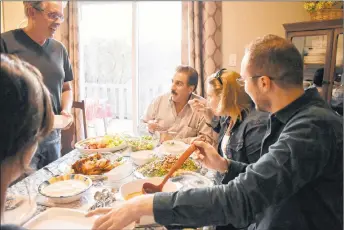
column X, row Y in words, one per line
column 93, row 165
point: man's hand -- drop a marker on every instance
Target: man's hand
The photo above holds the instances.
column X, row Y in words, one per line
column 209, row 157
column 124, row 214
column 153, row 126
column 199, row 105
column 70, row 117
column 199, row 138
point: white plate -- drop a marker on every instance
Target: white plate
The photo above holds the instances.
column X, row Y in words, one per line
column 63, row 218
column 23, row 213
column 61, row 121
column 79, row 147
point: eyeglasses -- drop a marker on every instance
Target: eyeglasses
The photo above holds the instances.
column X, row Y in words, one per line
column 51, row 15
column 218, row 75
column 242, row 81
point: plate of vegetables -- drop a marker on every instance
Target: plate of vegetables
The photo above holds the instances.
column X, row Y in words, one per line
column 142, row 143
column 108, row 143
column 159, row 167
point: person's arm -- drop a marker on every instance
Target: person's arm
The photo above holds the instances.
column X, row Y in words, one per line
column 297, row 158
column 67, row 89
column 67, row 97
column 150, row 115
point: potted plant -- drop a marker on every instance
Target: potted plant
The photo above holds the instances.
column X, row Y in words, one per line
column 324, row 10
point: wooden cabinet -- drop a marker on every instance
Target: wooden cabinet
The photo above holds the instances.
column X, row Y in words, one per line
column 321, row 46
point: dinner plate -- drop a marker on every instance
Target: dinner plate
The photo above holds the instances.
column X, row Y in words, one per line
column 79, row 146
column 22, row 213
column 140, row 175
column 64, row 218
column 187, row 180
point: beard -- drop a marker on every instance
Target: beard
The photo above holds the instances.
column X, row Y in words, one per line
column 262, row 104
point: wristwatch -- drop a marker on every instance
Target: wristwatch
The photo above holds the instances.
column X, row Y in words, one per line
column 226, row 171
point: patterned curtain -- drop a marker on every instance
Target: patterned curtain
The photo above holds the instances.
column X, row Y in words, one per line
column 202, row 38
column 70, row 38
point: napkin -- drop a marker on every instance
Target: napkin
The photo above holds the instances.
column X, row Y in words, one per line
column 61, row 121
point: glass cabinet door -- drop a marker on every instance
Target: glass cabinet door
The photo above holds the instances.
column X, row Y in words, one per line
column 337, row 87
column 313, row 50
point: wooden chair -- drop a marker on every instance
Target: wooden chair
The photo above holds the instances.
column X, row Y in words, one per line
column 68, row 136
column 81, row 105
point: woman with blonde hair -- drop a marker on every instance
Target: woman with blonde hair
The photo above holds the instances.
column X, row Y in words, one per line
column 231, row 113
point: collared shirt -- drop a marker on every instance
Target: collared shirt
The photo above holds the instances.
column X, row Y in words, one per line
column 296, row 184
column 187, row 124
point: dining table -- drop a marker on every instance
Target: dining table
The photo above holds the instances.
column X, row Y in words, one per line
column 29, row 187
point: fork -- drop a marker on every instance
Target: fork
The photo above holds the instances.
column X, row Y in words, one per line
column 11, row 204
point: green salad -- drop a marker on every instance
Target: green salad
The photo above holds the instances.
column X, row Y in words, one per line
column 160, row 167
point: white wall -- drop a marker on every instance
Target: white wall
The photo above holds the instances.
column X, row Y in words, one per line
column 13, row 13
column 244, row 21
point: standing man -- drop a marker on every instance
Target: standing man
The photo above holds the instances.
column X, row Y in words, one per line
column 35, row 44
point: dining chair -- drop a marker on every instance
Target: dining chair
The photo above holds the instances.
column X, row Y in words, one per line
column 68, row 136
column 81, row 105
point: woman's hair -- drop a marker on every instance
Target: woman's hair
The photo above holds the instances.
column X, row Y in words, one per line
column 26, row 112
column 233, row 98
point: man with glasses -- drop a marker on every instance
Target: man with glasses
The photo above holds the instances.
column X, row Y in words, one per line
column 298, row 181
column 35, row 44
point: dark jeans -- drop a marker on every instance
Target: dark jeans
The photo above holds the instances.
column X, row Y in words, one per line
column 48, row 151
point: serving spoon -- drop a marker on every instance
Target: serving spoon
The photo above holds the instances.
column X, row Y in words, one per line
column 149, row 188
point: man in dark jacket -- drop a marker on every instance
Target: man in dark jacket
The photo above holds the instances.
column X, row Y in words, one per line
column 298, row 181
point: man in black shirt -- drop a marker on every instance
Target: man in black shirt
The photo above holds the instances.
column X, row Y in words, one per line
column 35, row 44
column 298, row 181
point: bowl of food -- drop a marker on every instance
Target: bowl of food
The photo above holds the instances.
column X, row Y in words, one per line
column 142, row 143
column 108, row 143
column 159, row 167
column 121, row 172
column 66, row 188
column 173, row 147
column 134, row 188
column 142, row 157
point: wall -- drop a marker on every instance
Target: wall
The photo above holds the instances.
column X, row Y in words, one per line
column 244, row 21
column 13, row 13
column 1, row 17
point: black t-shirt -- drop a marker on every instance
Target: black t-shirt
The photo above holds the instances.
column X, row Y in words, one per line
column 51, row 59
column 11, row 227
